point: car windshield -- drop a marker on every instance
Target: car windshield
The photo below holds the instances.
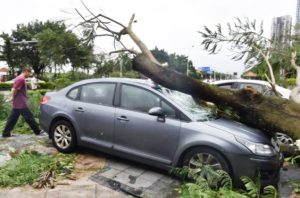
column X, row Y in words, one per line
column 187, row 102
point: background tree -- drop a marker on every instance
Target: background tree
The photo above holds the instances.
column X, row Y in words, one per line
column 120, row 66
column 6, row 53
column 175, row 61
column 55, row 46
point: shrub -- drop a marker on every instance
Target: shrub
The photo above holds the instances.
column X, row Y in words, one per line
column 26, row 167
column 128, row 74
column 46, row 85
column 41, row 85
column 5, row 86
column 4, row 107
column 34, row 102
column 291, row 82
column 206, row 182
column 21, row 127
column 62, row 82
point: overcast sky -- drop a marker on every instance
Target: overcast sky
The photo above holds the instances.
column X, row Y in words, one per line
column 168, row 24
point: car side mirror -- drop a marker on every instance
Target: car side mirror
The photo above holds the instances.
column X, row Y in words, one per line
column 159, row 112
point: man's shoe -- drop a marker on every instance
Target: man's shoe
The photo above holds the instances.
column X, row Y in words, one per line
column 42, row 133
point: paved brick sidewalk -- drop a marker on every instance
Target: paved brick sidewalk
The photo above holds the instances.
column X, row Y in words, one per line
column 74, row 191
column 136, row 179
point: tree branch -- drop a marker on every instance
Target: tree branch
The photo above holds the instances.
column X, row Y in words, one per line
column 293, row 60
column 139, row 42
column 132, row 51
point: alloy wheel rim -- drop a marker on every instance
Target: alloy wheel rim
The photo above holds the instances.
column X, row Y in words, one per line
column 284, row 139
column 200, row 159
column 62, row 136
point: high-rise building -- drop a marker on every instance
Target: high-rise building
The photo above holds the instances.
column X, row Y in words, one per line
column 297, row 23
column 281, row 31
column 298, row 12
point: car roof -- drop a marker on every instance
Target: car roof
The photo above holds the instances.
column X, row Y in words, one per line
column 285, row 92
column 145, row 82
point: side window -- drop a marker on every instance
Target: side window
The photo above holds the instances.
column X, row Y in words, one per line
column 258, row 88
column 73, row 94
column 226, row 85
column 269, row 92
column 170, row 111
column 138, row 99
column 98, row 93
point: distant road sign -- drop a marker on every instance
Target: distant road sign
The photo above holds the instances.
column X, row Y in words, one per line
column 205, row 69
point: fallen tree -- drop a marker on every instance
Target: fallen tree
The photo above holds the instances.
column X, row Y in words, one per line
column 271, row 114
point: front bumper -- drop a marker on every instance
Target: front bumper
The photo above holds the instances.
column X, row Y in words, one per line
column 252, row 165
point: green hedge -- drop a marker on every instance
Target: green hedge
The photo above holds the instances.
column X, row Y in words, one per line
column 8, row 86
column 5, row 86
column 46, row 85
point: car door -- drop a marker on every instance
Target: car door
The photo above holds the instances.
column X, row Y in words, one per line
column 138, row 133
column 94, row 113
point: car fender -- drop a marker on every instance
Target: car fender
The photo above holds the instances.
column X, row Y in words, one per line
column 205, row 140
column 68, row 117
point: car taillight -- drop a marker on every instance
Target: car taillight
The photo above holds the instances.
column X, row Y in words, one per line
column 45, row 99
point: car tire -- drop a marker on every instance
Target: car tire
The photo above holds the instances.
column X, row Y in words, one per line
column 205, row 156
column 63, row 136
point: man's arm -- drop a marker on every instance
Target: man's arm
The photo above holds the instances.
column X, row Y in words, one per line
column 13, row 93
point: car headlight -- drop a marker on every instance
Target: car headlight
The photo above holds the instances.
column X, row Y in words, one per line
column 257, row 148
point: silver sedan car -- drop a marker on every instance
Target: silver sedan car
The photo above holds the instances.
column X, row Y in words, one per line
column 137, row 120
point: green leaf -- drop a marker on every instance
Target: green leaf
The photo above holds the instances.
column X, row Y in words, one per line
column 270, row 192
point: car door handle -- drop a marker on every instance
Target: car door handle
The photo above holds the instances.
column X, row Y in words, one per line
column 123, row 118
column 79, row 109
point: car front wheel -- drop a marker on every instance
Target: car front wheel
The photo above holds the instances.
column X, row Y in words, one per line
column 198, row 157
column 63, row 136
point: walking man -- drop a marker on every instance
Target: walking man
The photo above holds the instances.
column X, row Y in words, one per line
column 20, row 106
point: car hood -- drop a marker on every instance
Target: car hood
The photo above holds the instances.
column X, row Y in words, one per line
column 239, row 130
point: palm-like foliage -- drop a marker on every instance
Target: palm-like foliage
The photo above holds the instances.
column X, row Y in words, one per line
column 246, row 41
column 208, row 183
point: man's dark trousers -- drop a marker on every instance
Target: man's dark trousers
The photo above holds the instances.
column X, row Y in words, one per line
column 13, row 118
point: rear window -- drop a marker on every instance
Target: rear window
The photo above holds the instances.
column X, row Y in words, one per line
column 98, row 93
column 73, row 94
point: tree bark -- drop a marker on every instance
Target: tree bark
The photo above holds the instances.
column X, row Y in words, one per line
column 270, row 114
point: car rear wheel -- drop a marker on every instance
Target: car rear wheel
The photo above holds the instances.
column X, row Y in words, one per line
column 198, row 157
column 63, row 136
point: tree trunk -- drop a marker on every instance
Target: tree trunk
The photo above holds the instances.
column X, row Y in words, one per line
column 271, row 114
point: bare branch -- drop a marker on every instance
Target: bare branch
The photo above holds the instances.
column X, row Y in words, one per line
column 124, row 50
column 81, row 15
column 110, row 19
column 117, row 35
column 293, row 60
column 268, row 79
column 100, row 35
column 99, row 21
column 268, row 63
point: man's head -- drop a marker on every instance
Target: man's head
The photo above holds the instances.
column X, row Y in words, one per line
column 26, row 72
